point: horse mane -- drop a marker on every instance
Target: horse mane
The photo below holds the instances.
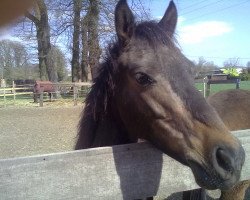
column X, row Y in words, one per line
column 97, row 102
column 151, row 32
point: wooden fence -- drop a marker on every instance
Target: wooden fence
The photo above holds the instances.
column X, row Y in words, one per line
column 75, row 87
column 15, row 91
column 120, row 172
column 208, row 82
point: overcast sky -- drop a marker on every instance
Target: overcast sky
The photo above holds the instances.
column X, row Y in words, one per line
column 215, row 29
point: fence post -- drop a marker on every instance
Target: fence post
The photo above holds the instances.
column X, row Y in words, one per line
column 208, row 89
column 41, row 96
column 4, row 97
column 204, row 86
column 75, row 94
column 237, row 83
column 14, row 91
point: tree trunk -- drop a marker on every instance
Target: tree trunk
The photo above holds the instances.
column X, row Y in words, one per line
column 75, row 64
column 93, row 41
column 46, row 65
column 85, row 49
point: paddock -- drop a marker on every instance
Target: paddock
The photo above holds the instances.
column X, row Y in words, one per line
column 71, row 89
column 87, row 174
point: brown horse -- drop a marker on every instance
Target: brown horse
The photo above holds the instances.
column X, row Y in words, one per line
column 143, row 90
column 42, row 86
column 233, row 106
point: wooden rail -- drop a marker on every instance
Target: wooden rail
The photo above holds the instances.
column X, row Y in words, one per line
column 13, row 91
column 14, row 94
column 75, row 89
column 79, row 84
column 208, row 82
column 120, row 172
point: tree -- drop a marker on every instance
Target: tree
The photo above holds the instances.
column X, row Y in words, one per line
column 40, row 19
column 97, row 27
column 83, row 27
column 92, row 47
column 7, row 60
column 248, row 67
column 15, row 62
column 231, row 63
column 85, row 49
column 75, row 63
column 59, row 62
column 202, row 67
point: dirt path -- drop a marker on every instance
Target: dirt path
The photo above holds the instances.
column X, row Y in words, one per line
column 34, row 130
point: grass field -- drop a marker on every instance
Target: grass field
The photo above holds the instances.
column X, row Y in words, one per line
column 28, row 101
column 219, row 87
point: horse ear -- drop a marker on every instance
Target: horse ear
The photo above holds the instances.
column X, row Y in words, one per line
column 169, row 20
column 124, row 22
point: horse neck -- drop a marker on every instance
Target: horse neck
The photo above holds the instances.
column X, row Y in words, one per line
column 98, row 129
column 110, row 130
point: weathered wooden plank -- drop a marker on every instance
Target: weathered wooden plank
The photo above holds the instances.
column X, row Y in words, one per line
column 19, row 93
column 73, row 84
column 10, row 89
column 121, row 172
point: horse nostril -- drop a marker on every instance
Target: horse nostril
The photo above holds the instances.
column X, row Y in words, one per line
column 225, row 160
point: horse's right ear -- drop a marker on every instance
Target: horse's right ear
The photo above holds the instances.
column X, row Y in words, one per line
column 124, row 22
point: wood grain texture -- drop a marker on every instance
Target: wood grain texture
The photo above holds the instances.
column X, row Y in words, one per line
column 120, row 172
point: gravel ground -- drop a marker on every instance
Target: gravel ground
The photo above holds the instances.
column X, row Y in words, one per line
column 35, row 130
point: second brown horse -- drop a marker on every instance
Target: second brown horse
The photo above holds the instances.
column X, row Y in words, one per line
column 233, row 106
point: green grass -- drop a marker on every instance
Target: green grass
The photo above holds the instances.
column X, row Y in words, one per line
column 219, row 87
column 27, row 101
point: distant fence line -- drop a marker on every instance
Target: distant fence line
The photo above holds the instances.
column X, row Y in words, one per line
column 208, row 82
column 131, row 171
column 74, row 88
column 15, row 90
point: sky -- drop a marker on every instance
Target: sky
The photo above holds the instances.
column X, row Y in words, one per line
column 217, row 30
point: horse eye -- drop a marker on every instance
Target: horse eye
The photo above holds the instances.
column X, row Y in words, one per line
column 143, row 79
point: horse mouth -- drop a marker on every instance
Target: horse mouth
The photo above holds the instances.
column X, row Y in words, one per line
column 206, row 177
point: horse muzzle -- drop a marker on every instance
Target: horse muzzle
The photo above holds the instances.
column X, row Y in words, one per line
column 222, row 170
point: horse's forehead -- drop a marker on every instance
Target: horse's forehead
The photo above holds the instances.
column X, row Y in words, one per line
column 146, row 55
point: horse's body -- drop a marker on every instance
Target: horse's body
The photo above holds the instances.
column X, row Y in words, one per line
column 42, row 86
column 144, row 91
column 233, row 106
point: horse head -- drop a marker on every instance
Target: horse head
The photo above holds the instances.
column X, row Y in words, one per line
column 157, row 101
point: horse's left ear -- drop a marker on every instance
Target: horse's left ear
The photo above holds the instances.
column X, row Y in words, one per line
column 124, row 22
column 169, row 20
